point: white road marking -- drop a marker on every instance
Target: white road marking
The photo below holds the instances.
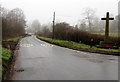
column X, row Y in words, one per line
column 26, row 45
column 47, row 45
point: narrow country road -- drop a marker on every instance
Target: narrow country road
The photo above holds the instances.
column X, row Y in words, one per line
column 38, row 60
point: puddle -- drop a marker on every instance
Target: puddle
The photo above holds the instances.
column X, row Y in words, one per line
column 35, row 58
column 111, row 59
column 95, row 60
column 81, row 56
column 90, row 58
column 19, row 70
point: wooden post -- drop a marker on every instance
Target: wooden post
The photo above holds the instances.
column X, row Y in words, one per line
column 53, row 25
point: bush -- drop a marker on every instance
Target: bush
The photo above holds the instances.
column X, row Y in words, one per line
column 63, row 31
column 5, row 56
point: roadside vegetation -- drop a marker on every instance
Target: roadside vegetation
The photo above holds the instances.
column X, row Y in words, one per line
column 7, row 53
column 63, row 31
column 13, row 22
column 6, row 57
column 111, row 34
column 76, row 37
column 13, row 29
column 70, row 44
column 16, row 39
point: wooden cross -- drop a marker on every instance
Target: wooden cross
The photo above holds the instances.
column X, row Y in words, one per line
column 107, row 25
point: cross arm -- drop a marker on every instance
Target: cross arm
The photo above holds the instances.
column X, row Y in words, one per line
column 111, row 18
column 105, row 18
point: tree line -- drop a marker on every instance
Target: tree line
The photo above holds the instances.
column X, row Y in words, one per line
column 63, row 31
column 13, row 22
column 81, row 32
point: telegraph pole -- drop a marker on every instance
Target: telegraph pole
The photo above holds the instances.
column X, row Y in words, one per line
column 53, row 36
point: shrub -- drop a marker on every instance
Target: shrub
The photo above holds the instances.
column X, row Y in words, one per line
column 5, row 56
column 64, row 31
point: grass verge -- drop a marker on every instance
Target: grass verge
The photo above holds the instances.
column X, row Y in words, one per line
column 74, row 45
column 16, row 39
column 5, row 55
column 111, row 34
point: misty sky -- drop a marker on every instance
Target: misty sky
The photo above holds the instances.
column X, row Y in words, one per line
column 66, row 10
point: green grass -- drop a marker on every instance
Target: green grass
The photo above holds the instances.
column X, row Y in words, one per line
column 115, row 50
column 16, row 39
column 1, row 68
column 64, row 43
column 5, row 55
column 72, row 44
column 110, row 34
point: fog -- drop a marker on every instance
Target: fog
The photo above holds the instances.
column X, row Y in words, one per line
column 66, row 10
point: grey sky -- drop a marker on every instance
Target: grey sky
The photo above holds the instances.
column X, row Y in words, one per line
column 66, row 10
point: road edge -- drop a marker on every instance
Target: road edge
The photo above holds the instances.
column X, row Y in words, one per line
column 87, row 50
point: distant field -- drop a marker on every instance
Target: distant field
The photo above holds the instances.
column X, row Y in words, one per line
column 110, row 34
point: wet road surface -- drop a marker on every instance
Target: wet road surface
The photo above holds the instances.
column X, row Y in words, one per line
column 38, row 60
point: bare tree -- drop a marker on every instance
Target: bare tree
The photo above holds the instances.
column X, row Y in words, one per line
column 13, row 22
column 83, row 25
column 114, row 25
column 89, row 16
